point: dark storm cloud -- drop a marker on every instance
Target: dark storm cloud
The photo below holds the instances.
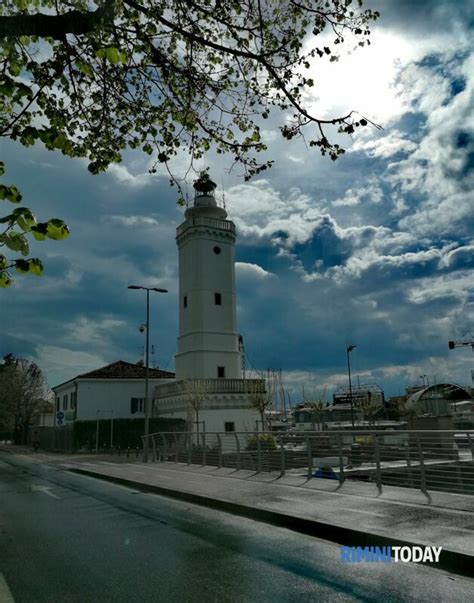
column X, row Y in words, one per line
column 423, row 16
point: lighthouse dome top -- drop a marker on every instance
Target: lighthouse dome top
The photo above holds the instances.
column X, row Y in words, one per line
column 205, row 202
column 204, row 195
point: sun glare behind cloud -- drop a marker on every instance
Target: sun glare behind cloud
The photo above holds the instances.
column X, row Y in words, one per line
column 364, row 80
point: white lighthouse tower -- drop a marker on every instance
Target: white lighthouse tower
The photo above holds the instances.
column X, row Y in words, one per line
column 208, row 345
column 208, row 391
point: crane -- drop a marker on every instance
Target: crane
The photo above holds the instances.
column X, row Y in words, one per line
column 460, row 343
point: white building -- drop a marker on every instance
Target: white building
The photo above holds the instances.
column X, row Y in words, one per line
column 116, row 390
column 208, row 358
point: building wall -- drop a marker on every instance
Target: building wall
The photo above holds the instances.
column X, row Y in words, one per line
column 215, row 420
column 64, row 402
column 105, row 395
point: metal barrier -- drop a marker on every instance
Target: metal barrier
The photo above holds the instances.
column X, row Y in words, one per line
column 426, row 460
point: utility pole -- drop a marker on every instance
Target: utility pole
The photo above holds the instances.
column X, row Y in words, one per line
column 147, row 368
column 349, row 349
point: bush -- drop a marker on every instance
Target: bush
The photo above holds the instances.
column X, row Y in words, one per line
column 127, row 432
column 267, row 442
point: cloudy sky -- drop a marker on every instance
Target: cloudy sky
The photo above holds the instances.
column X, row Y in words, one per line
column 376, row 249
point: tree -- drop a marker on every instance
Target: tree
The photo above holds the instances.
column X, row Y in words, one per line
column 195, row 392
column 261, row 394
column 22, row 394
column 316, row 406
column 369, row 410
column 93, row 79
column 406, row 412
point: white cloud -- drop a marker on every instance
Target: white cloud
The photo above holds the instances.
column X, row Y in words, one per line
column 458, row 256
column 244, row 269
column 350, row 198
column 372, row 193
column 94, row 332
column 64, row 363
column 458, row 285
column 437, row 170
column 384, row 147
column 133, row 220
column 123, row 175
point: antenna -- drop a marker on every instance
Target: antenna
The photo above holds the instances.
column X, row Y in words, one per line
column 223, row 191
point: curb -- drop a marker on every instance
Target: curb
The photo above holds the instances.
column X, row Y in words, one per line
column 451, row 561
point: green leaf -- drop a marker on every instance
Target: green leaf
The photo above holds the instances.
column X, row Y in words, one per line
column 60, row 141
column 5, row 280
column 24, row 218
column 10, row 193
column 112, row 54
column 36, row 266
column 32, row 266
column 14, row 68
column 57, row 230
column 39, row 231
column 2, row 168
column 15, row 241
column 22, row 266
column 85, row 68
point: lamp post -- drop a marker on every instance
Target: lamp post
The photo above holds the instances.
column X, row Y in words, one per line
column 147, row 345
column 349, row 349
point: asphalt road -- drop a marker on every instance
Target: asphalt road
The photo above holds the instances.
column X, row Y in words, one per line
column 66, row 537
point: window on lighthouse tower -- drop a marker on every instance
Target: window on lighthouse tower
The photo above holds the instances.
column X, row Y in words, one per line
column 218, row 299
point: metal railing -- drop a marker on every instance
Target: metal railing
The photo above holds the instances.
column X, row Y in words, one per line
column 210, row 386
column 424, row 460
column 210, row 222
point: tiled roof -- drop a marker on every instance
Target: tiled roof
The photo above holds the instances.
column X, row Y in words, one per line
column 126, row 370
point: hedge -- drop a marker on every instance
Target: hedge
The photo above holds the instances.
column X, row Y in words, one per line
column 126, row 432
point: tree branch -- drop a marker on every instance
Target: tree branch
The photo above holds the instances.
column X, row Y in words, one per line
column 57, row 26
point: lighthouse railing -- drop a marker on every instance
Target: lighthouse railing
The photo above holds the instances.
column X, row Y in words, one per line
column 202, row 221
column 211, row 386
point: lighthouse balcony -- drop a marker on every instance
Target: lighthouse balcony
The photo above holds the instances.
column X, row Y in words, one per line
column 213, row 223
column 210, row 386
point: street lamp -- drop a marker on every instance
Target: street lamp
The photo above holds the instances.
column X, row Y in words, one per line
column 349, row 349
column 147, row 326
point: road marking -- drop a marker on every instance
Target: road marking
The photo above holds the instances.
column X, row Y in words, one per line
column 45, row 489
column 5, row 593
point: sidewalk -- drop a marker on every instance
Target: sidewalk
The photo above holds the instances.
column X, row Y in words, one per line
column 354, row 514
column 60, row 457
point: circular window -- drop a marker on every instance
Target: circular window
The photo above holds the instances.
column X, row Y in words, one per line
column 217, row 250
